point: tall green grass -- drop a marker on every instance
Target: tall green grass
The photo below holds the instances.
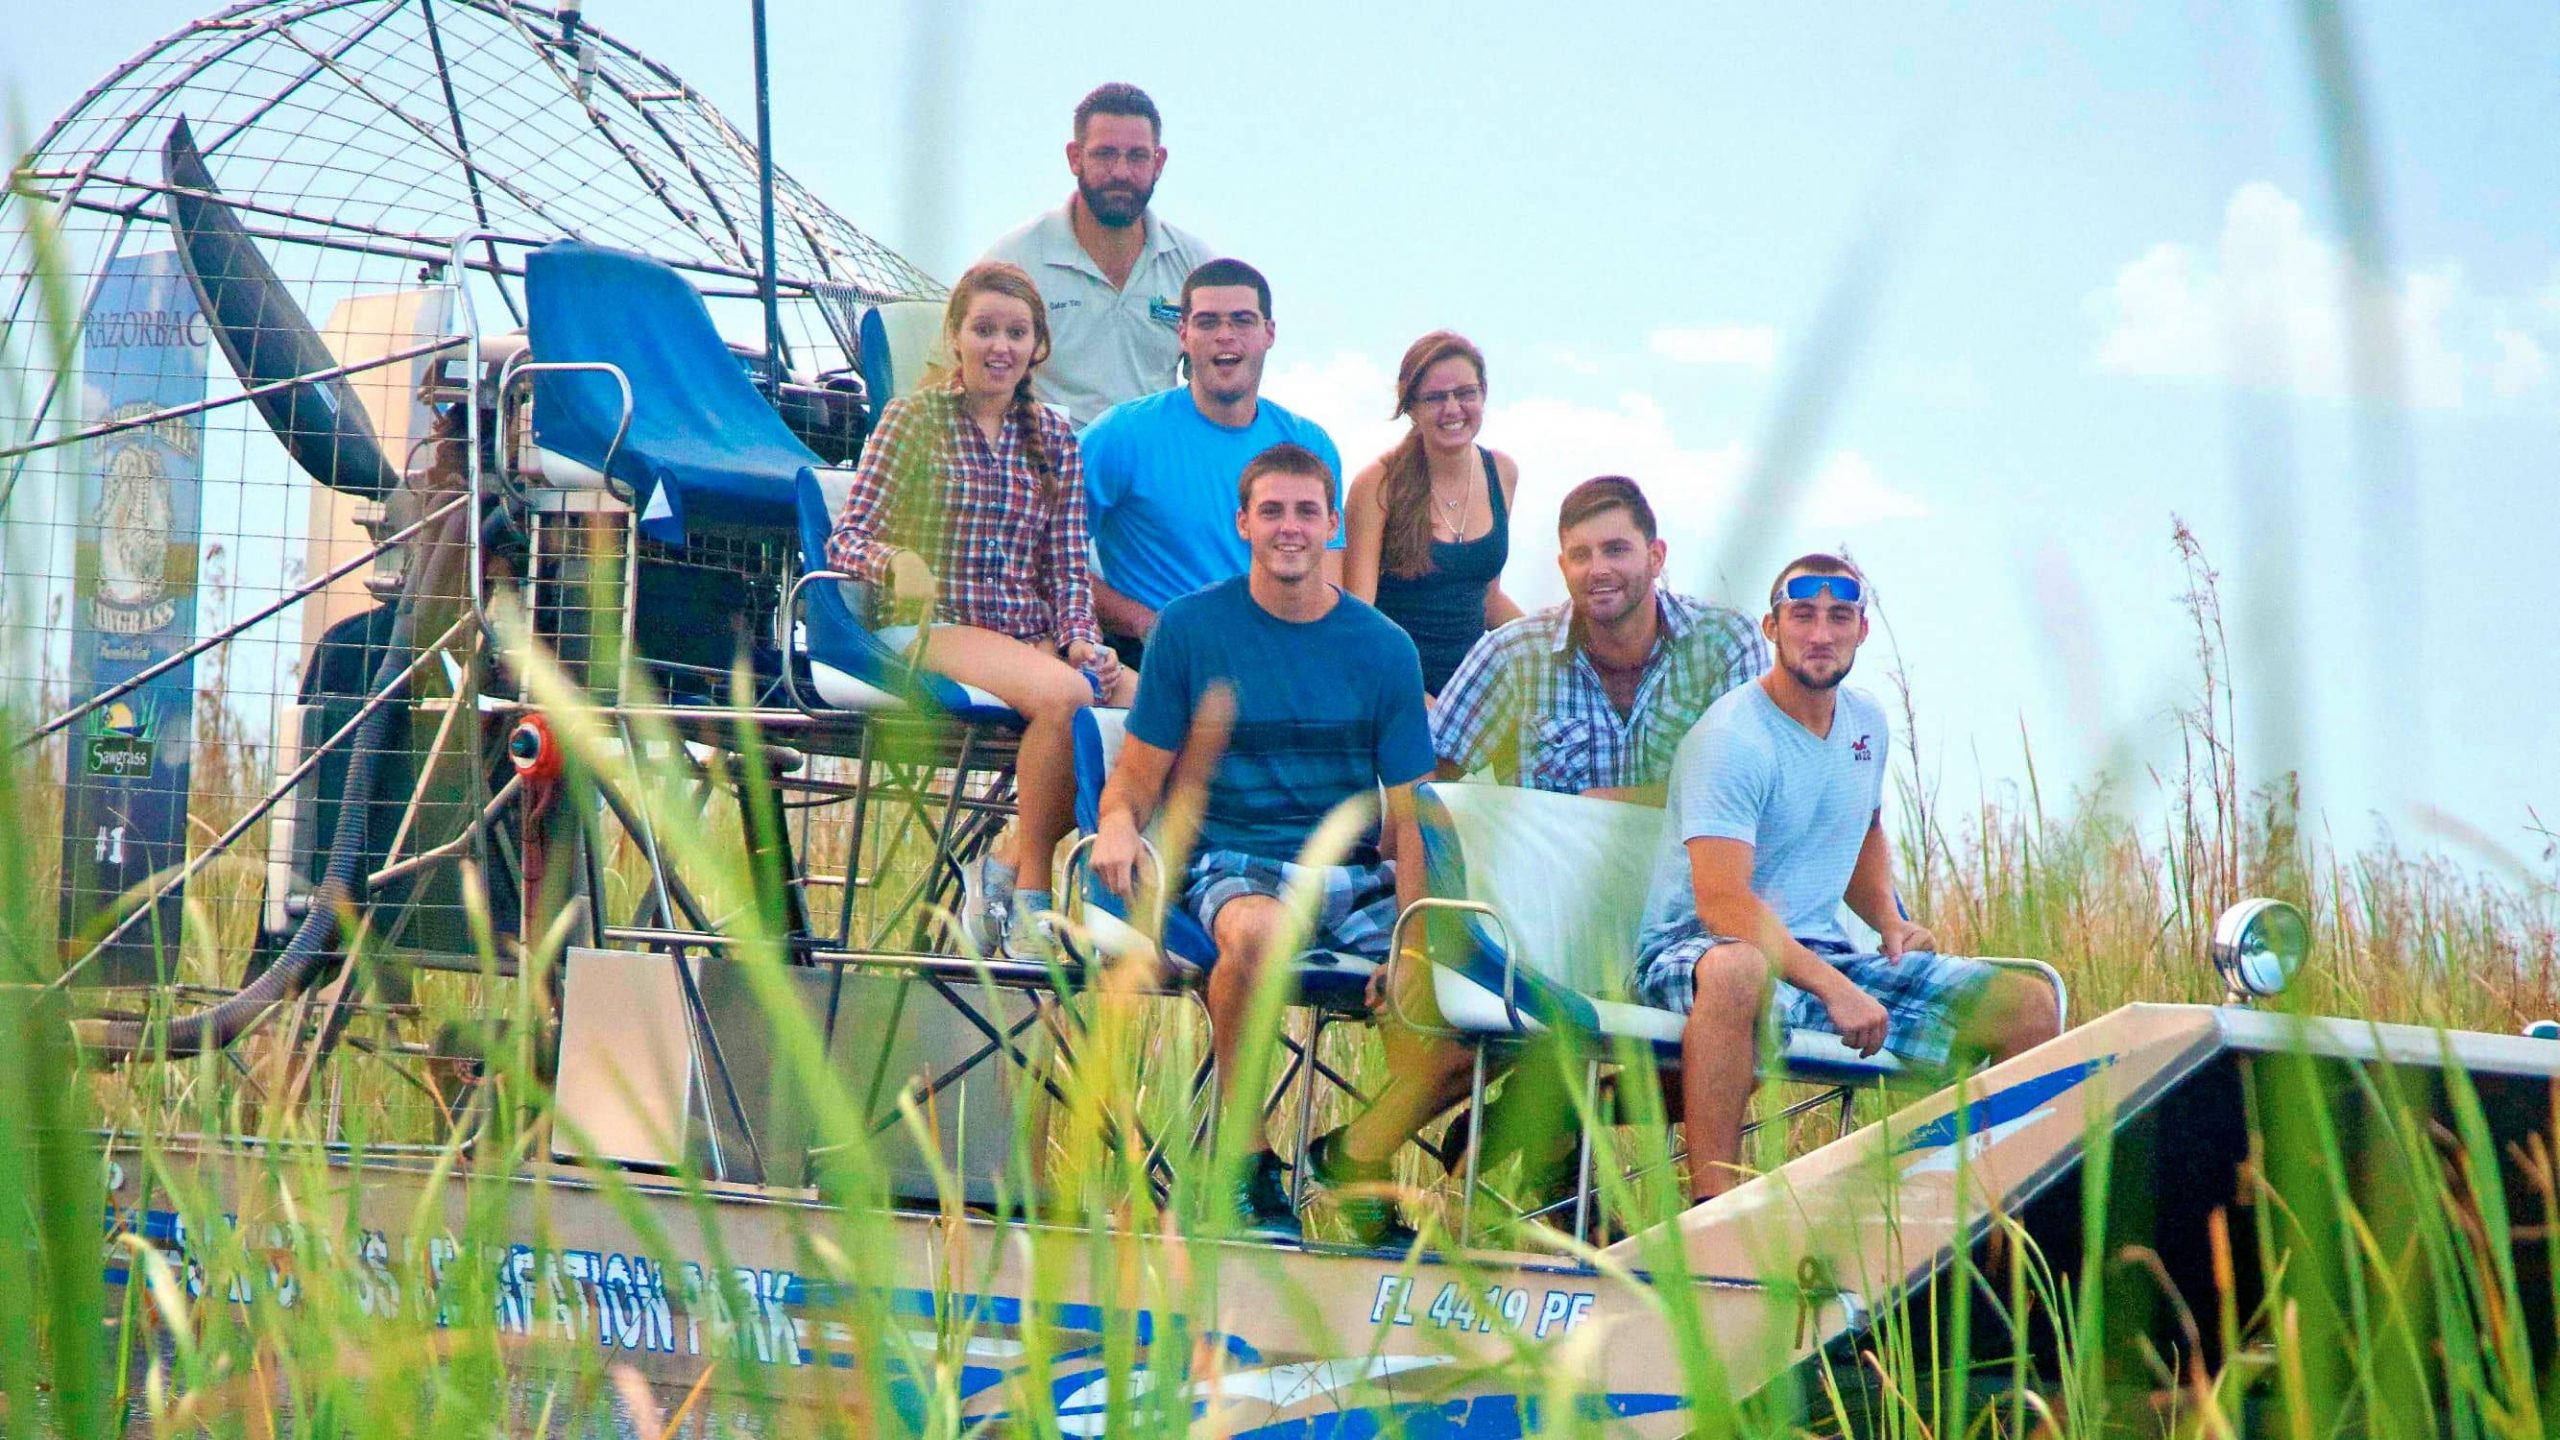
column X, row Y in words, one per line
column 2394, row 1304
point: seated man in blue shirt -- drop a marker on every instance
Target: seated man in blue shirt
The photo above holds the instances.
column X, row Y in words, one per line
column 1160, row 471
column 1775, row 804
column 1324, row 697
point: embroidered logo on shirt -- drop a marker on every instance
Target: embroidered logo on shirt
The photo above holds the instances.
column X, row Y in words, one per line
column 1164, row 311
column 1860, row 751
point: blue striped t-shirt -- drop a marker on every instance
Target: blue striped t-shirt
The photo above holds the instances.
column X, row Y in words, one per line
column 1324, row 709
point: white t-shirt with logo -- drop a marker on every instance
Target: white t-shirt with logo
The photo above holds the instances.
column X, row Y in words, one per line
column 1106, row 345
column 1747, row 771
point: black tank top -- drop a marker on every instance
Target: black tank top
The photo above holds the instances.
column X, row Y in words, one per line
column 1443, row 607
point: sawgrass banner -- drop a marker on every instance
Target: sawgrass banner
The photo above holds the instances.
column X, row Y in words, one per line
column 144, row 346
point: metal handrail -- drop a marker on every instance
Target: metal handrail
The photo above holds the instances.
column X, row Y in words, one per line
column 519, row 367
column 1396, row 951
column 1074, row 867
column 786, row 620
column 458, row 273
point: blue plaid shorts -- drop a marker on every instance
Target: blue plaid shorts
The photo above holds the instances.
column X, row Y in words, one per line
column 1921, row 992
column 1355, row 912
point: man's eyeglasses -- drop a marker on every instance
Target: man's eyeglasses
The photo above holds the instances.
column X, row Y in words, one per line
column 1810, row 587
column 1210, row 322
column 1434, row 399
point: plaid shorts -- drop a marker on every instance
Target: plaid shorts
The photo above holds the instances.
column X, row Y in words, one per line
column 1921, row 992
column 1355, row 910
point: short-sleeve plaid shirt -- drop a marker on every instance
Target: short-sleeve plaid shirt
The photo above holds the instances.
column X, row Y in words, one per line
column 1008, row 550
column 1527, row 704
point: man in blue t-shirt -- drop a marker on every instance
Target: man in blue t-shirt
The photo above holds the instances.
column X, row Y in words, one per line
column 1320, row 699
column 1775, row 802
column 1160, row 471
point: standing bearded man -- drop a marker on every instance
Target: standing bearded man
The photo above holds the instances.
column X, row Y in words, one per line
column 1108, row 267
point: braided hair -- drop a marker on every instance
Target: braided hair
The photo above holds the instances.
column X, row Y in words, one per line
column 1405, row 495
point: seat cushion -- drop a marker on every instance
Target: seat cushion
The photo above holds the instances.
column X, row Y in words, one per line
column 844, row 690
column 1469, row 1006
column 1328, row 979
column 702, row 445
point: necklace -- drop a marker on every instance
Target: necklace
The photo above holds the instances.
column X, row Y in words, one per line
column 1454, row 510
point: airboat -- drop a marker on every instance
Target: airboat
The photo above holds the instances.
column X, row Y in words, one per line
column 418, row 563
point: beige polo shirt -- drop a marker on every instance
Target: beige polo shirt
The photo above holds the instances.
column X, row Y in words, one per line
column 1106, row 345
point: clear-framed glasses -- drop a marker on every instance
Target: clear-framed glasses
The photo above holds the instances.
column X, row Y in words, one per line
column 1210, row 322
column 1463, row 394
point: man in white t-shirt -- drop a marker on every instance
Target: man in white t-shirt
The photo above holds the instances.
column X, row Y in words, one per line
column 1110, row 269
column 1775, row 801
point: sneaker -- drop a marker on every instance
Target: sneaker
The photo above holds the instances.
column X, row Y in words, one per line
column 1026, row 925
column 1262, row 1200
column 1357, row 1194
column 986, row 902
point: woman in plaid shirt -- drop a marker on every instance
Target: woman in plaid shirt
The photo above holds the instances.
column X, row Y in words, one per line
column 968, row 510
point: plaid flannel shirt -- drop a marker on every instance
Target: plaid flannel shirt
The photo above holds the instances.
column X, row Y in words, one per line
column 1527, row 704
column 1009, row 552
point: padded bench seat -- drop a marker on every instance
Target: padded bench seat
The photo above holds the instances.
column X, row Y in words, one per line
column 1549, row 891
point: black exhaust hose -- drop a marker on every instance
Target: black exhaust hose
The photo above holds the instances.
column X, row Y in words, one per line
column 313, row 947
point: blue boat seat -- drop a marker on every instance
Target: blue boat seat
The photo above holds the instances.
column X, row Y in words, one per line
column 703, row 448
column 1331, row 980
column 1541, row 956
column 1546, row 893
column 898, row 340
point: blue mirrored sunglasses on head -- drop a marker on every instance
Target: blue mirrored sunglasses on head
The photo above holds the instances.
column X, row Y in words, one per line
column 1810, row 587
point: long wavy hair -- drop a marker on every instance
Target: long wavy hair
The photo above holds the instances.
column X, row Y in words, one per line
column 996, row 277
column 1405, row 551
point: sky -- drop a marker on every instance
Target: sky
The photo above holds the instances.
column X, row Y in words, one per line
column 1990, row 294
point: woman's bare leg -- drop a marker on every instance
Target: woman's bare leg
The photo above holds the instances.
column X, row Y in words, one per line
column 1048, row 692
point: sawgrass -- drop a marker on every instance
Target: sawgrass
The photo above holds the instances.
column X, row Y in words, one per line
column 2404, row 1328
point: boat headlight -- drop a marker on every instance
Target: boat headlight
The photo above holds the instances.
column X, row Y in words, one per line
column 2258, row 945
column 2543, row 1030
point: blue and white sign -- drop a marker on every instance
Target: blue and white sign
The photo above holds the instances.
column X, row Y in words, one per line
column 144, row 349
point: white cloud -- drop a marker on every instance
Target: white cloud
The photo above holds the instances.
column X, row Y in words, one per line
column 1754, row 347
column 2272, row 306
column 2522, row 366
column 1568, row 358
column 1560, row 443
column 1847, row 491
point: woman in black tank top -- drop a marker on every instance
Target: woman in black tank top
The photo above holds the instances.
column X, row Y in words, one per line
column 1430, row 520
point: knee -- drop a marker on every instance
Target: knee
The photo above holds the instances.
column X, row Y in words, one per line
column 1056, row 691
column 1731, row 979
column 1242, row 931
column 2032, row 1009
